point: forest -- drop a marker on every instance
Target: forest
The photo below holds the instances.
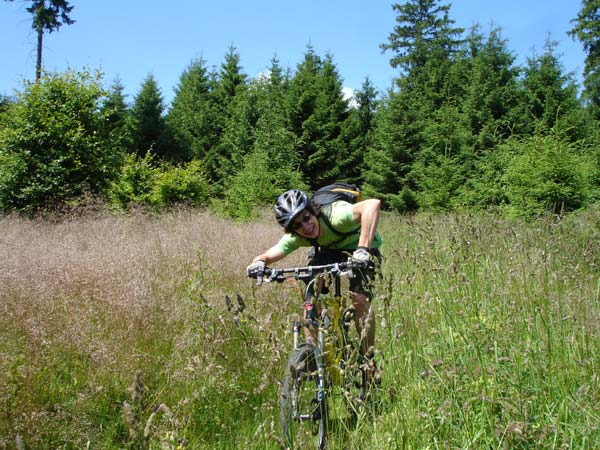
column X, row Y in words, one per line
column 462, row 128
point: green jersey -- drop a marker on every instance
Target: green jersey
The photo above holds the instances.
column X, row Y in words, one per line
column 341, row 218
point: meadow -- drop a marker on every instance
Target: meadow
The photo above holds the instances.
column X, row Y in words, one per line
column 142, row 331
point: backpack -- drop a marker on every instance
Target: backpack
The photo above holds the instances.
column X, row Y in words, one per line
column 334, row 192
column 325, row 196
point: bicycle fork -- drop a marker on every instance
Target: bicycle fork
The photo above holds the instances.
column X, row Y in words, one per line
column 321, row 376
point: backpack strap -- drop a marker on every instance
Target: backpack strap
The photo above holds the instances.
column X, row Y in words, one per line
column 325, row 211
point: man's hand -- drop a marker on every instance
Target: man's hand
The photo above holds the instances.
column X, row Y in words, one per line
column 256, row 268
column 361, row 257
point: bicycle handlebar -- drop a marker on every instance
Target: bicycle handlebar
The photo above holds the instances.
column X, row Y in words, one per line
column 304, row 272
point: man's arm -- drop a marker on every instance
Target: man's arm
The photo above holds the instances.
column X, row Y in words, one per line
column 366, row 213
column 272, row 255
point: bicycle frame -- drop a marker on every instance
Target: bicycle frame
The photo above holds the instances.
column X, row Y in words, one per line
column 333, row 339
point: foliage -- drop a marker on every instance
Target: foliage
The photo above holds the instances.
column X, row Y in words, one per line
column 317, row 113
column 53, row 144
column 230, row 106
column 185, row 184
column 191, row 120
column 587, row 30
column 547, row 174
column 143, row 183
column 436, row 139
column 135, row 182
column 147, row 121
column 271, row 168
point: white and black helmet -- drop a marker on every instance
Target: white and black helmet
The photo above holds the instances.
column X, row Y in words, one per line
column 289, row 205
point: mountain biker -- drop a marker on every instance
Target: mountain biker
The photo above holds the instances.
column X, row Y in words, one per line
column 336, row 231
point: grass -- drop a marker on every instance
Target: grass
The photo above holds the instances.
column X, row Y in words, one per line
column 115, row 332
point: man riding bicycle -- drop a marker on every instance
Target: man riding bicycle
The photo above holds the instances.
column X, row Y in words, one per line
column 335, row 231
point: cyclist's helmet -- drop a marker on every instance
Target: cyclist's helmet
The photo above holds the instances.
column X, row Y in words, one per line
column 289, row 205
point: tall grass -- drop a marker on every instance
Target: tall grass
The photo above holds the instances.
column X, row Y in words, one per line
column 143, row 332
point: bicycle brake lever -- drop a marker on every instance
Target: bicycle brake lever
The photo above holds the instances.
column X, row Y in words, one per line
column 259, row 277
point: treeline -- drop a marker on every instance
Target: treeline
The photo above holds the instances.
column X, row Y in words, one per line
column 463, row 126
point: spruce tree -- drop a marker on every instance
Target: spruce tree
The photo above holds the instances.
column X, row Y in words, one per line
column 356, row 133
column 191, row 119
column 551, row 94
column 491, row 96
column 147, row 122
column 117, row 114
column 229, row 86
column 587, row 30
column 318, row 111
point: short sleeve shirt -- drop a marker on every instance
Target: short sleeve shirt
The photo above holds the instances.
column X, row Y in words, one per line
column 341, row 218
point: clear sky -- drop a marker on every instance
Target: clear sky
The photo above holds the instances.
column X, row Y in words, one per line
column 129, row 39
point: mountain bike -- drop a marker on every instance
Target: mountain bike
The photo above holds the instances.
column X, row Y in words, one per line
column 325, row 380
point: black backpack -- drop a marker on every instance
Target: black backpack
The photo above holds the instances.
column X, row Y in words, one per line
column 325, row 196
column 334, row 192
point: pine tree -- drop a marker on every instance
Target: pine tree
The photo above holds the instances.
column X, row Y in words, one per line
column 587, row 30
column 318, row 111
column 551, row 94
column 191, row 119
column 48, row 16
column 147, row 122
column 229, row 87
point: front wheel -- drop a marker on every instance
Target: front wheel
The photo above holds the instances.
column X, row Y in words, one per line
column 302, row 402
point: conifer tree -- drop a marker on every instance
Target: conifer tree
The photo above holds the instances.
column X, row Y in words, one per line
column 318, row 111
column 147, row 122
column 229, row 86
column 357, row 133
column 116, row 111
column 423, row 28
column 587, row 30
column 491, row 96
column 551, row 94
column 48, row 16
column 191, row 119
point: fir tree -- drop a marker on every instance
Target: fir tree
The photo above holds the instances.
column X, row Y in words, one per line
column 587, row 30
column 191, row 119
column 147, row 122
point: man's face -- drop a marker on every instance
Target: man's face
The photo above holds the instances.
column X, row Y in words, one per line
column 306, row 225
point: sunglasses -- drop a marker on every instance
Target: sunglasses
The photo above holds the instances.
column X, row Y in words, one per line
column 305, row 218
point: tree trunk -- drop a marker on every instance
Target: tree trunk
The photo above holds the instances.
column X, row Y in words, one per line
column 38, row 64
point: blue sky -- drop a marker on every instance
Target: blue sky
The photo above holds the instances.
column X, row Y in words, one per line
column 132, row 38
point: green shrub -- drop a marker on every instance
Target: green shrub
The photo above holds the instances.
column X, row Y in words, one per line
column 182, row 184
column 547, row 174
column 135, row 183
column 142, row 183
column 52, row 147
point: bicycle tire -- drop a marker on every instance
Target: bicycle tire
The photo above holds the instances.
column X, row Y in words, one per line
column 302, row 415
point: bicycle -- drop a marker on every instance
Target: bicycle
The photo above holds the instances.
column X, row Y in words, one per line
column 315, row 370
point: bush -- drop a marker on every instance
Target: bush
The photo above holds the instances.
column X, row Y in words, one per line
column 547, row 174
column 184, row 184
column 135, row 182
column 52, row 148
column 141, row 183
